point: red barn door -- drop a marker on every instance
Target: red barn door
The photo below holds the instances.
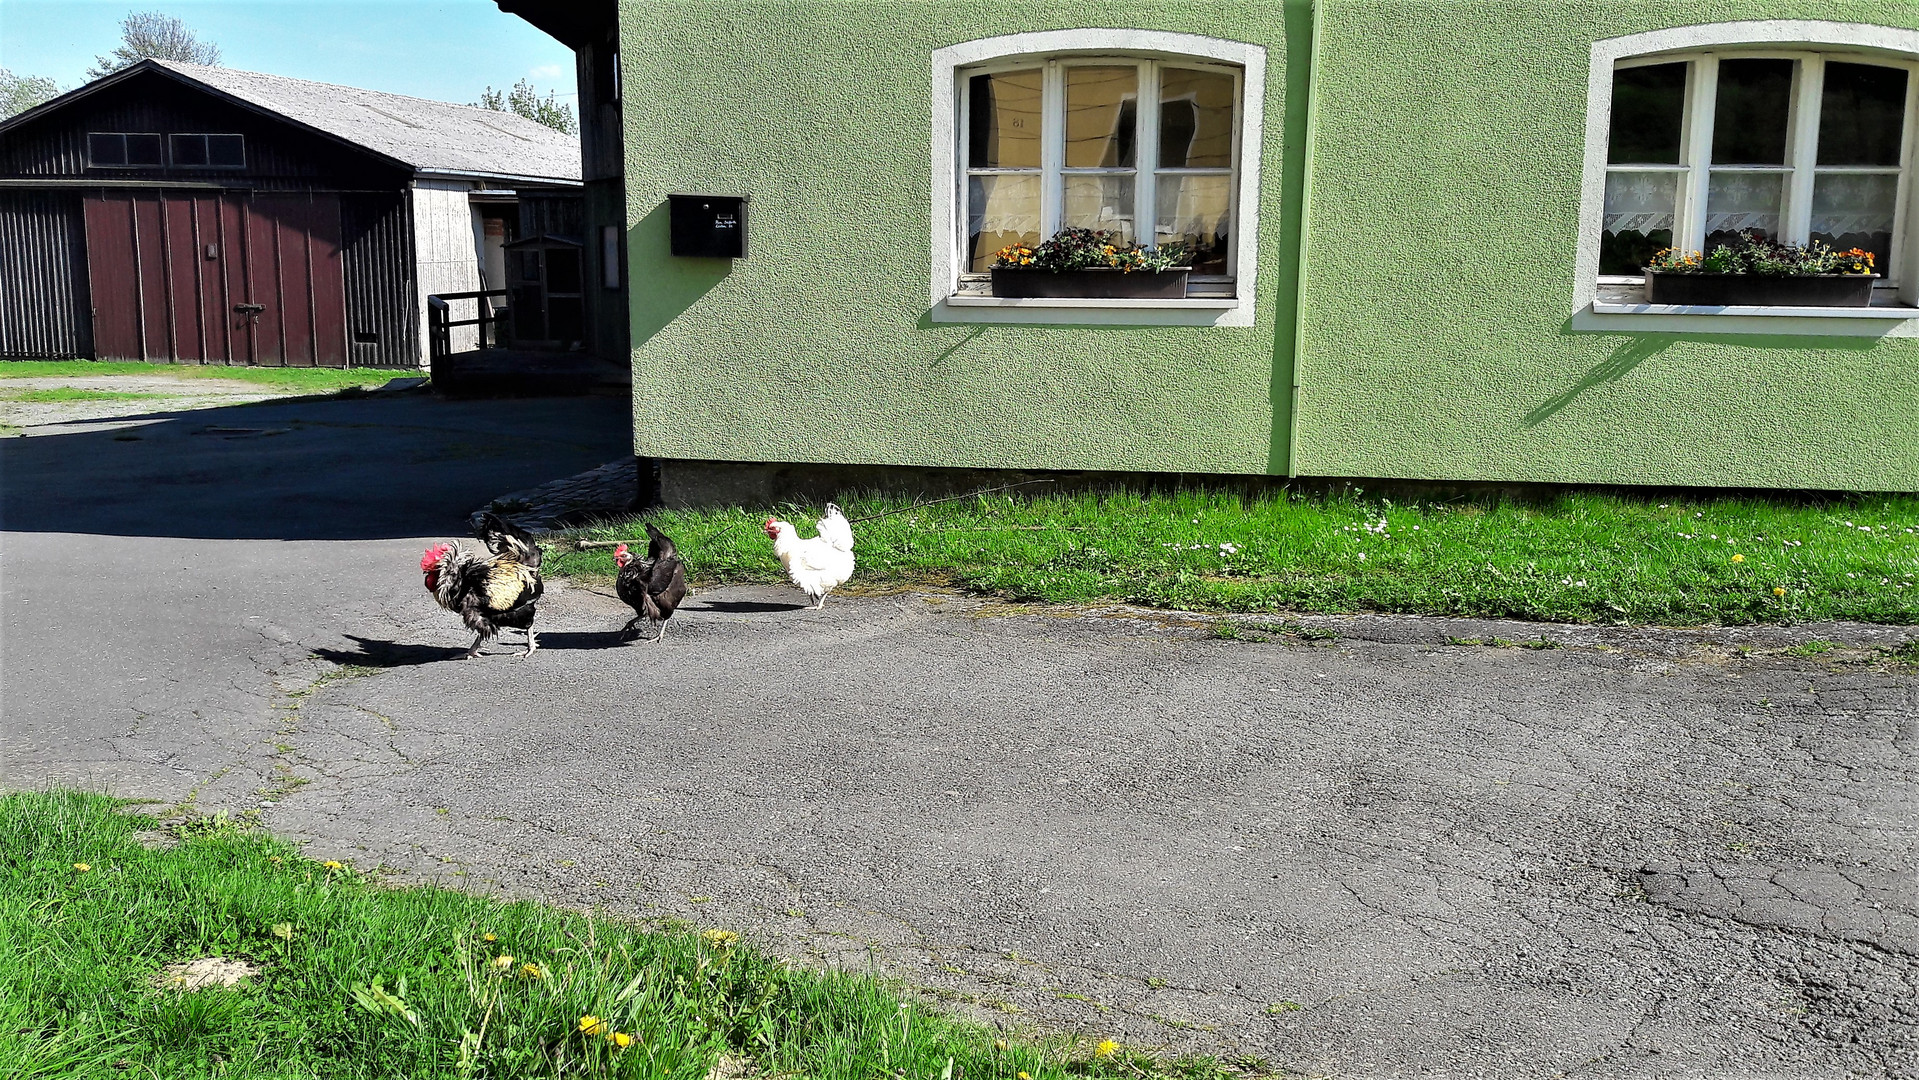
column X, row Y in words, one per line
column 217, row 278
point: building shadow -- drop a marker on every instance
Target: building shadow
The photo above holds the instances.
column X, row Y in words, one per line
column 319, row 468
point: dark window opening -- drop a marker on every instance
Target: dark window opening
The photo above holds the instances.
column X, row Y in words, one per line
column 117, row 150
column 366, row 337
column 208, row 151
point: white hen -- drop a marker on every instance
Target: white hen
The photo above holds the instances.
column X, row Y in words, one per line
column 820, row 564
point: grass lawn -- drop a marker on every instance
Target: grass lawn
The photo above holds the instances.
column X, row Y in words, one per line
column 317, row 380
column 65, row 393
column 360, row 980
column 1577, row 558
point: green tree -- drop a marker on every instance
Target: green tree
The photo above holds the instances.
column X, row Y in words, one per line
column 527, row 102
column 18, row 93
column 146, row 34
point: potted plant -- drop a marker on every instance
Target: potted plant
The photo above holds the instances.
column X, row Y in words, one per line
column 1754, row 271
column 1090, row 264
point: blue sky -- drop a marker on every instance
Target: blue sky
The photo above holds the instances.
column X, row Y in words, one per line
column 445, row 49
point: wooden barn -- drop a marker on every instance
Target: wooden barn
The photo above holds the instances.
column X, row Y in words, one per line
column 177, row 213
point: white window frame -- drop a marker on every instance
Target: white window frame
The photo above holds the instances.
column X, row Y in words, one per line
column 1052, row 50
column 1896, row 308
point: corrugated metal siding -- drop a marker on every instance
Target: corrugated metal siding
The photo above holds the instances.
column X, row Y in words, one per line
column 379, row 281
column 44, row 308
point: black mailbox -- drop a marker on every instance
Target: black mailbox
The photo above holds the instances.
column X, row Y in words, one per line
column 708, row 226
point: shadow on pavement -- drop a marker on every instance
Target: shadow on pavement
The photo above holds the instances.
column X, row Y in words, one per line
column 377, row 653
column 318, row 468
column 744, row 607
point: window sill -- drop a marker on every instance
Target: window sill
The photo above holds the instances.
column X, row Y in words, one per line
column 1193, row 311
column 1877, row 321
column 1877, row 311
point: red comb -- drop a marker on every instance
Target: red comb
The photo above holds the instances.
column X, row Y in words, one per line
column 433, row 556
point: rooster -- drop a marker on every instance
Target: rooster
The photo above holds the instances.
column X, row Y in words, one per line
column 818, row 565
column 499, row 589
column 653, row 586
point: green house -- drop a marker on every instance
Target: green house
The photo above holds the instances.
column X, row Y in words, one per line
column 1417, row 232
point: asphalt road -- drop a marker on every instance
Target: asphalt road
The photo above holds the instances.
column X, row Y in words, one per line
column 1641, row 854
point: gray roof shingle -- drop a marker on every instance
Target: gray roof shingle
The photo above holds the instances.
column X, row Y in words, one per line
column 431, row 136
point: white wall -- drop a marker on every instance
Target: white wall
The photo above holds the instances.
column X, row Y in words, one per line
column 445, row 257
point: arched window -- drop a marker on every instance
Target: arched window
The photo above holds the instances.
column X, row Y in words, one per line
column 1148, row 135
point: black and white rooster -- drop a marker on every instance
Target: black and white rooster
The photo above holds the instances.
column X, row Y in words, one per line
column 499, row 589
column 652, row 586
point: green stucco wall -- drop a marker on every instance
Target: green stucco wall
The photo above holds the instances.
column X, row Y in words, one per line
column 1448, row 143
column 817, row 347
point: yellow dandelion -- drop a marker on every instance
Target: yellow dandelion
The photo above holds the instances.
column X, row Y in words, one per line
column 1106, row 1048
column 1000, row 1045
column 720, row 939
column 1025, row 1076
column 1738, row 558
column 531, row 971
column 331, row 864
column 489, row 937
column 275, row 860
column 620, row 1039
column 501, row 963
column 82, row 867
column 1778, row 592
column 592, row 1025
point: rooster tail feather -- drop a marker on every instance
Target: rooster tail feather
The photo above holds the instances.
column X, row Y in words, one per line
column 659, row 545
column 834, row 528
column 502, row 537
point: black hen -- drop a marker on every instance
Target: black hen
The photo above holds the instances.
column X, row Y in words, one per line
column 652, row 586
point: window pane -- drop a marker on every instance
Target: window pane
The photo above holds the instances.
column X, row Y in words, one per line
column 1003, row 120
column 1861, row 114
column 1001, row 210
column 562, row 271
column 1648, row 106
column 1855, row 211
column 1736, row 201
column 226, row 150
column 143, row 149
column 189, row 149
column 1102, row 116
column 107, row 149
column 1103, row 202
column 1197, row 211
column 1195, row 119
column 1639, row 217
column 1749, row 121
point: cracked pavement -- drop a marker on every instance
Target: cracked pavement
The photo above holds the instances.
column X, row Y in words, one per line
column 1645, row 853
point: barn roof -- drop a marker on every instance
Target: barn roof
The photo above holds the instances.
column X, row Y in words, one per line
column 430, row 136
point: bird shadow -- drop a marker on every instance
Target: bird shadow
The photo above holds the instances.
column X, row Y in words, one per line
column 376, row 653
column 747, row 607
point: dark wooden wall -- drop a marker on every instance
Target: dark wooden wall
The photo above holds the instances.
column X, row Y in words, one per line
column 42, row 234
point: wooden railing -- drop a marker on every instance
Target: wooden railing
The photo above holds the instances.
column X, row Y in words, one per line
column 440, row 322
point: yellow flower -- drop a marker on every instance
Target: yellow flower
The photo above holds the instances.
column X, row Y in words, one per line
column 1025, row 1076
column 489, row 937
column 1106, row 1048
column 1000, row 1045
column 1738, row 558
column 1778, row 592
column 592, row 1025
column 82, row 867
column 332, row 865
column 501, row 963
column 620, row 1039
column 275, row 860
column 531, row 971
column 721, row 939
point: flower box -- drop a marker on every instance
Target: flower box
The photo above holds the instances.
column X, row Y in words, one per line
column 1019, row 283
column 1759, row 290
